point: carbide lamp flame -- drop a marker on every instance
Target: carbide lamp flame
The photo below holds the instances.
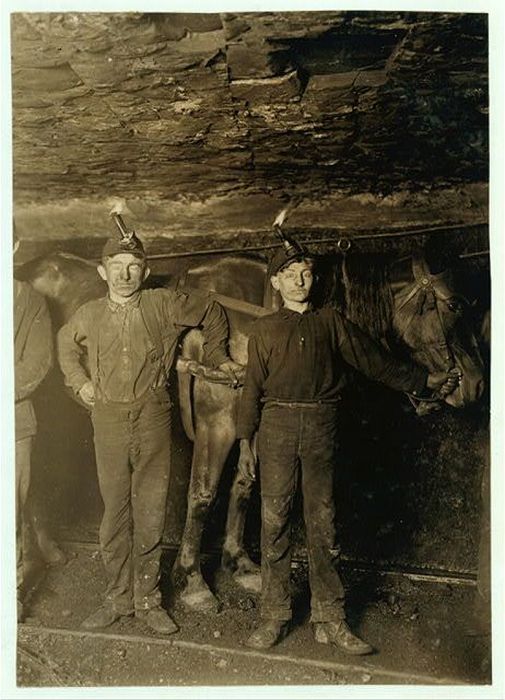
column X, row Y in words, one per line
column 281, row 216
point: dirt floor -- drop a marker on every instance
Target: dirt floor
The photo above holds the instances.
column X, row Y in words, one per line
column 421, row 629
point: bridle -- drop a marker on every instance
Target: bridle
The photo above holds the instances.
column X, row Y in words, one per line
column 430, row 290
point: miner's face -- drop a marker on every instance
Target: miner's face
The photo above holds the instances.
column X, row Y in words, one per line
column 124, row 274
column 294, row 281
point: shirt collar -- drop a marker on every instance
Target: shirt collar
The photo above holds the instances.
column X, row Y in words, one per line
column 132, row 303
column 289, row 313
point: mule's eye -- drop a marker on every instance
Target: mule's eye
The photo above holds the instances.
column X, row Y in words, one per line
column 455, row 305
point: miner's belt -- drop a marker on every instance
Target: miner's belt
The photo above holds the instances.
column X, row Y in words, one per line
column 302, row 404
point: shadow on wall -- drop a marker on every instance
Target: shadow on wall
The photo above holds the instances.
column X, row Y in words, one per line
column 408, row 488
column 64, row 489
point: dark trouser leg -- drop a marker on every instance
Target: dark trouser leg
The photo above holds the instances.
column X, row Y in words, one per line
column 150, row 458
column 277, row 450
column 112, row 448
column 23, row 461
column 318, row 442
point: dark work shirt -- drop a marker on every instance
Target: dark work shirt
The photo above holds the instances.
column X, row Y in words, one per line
column 303, row 358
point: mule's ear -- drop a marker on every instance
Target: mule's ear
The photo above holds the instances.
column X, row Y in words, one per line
column 102, row 272
column 53, row 269
column 274, row 282
column 147, row 272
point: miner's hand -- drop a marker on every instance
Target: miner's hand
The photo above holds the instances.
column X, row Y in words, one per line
column 87, row 393
column 247, row 461
column 233, row 371
column 444, row 383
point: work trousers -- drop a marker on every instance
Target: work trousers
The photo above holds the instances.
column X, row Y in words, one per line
column 132, row 446
column 23, row 467
column 293, row 437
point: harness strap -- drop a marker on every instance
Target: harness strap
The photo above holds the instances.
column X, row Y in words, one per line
column 415, row 289
column 438, row 284
column 186, row 365
column 239, row 305
column 228, row 302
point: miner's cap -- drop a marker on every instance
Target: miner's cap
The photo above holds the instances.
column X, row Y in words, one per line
column 290, row 252
column 125, row 244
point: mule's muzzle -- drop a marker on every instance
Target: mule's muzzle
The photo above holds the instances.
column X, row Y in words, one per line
column 468, row 391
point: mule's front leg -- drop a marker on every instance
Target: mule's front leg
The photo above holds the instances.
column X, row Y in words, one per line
column 213, row 441
column 195, row 593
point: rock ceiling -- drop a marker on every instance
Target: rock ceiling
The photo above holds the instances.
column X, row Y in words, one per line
column 207, row 123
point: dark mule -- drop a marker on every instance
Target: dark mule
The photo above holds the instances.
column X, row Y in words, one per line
column 66, row 280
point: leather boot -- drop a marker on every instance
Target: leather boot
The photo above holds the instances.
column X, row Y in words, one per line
column 269, row 633
column 103, row 617
column 339, row 634
column 158, row 620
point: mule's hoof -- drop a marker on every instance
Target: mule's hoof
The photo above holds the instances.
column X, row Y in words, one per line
column 201, row 601
column 249, row 582
column 239, row 563
column 198, row 596
column 247, row 566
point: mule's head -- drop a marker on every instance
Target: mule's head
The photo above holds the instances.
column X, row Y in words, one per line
column 432, row 321
column 66, row 281
column 419, row 310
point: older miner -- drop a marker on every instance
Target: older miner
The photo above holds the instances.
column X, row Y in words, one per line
column 115, row 353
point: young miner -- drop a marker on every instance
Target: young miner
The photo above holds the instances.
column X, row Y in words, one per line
column 128, row 339
column 295, row 375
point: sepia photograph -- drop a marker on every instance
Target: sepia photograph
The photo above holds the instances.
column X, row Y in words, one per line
column 247, row 320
